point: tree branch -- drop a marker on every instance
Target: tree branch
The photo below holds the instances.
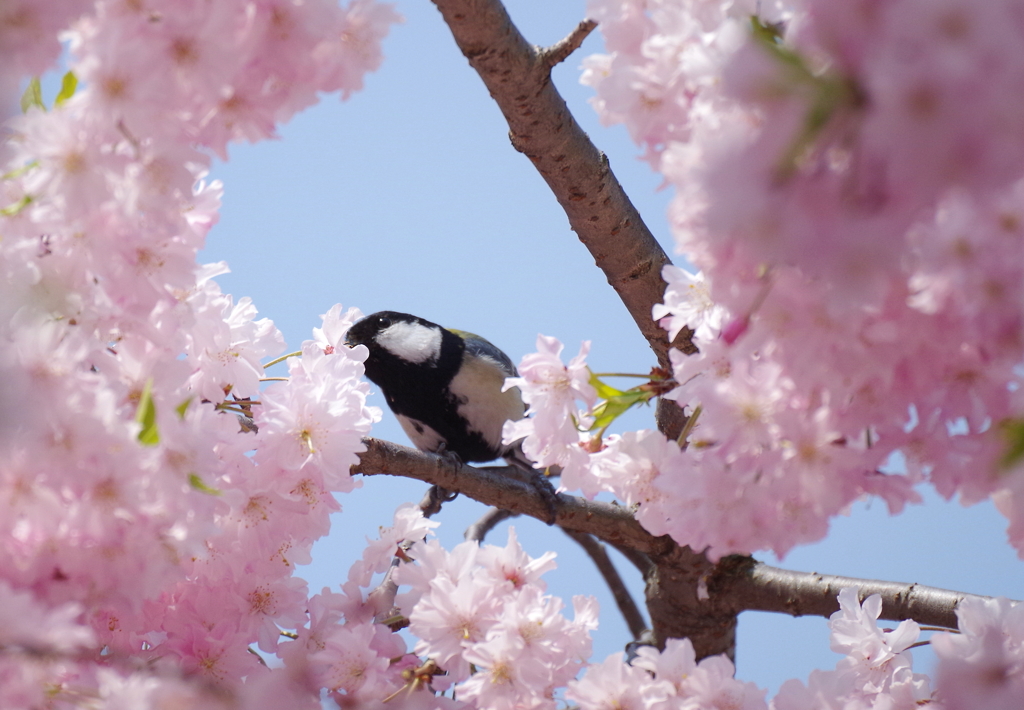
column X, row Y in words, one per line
column 674, row 573
column 478, row 530
column 611, row 523
column 748, row 585
column 518, row 77
column 623, row 599
column 560, row 51
column 641, row 561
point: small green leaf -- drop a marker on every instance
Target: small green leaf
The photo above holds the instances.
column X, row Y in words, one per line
column 11, row 210
column 1013, row 433
column 18, row 172
column 612, row 408
column 67, row 88
column 604, row 390
column 145, row 415
column 182, row 408
column 33, row 96
column 197, row 483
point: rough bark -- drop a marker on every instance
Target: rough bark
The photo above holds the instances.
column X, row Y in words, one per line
column 747, row 585
column 518, row 77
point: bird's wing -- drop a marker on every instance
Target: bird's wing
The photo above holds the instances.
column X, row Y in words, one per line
column 482, row 347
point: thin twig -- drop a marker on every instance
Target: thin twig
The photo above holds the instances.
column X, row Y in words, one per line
column 282, row 359
column 382, row 600
column 478, row 530
column 642, row 562
column 560, row 51
column 623, row 599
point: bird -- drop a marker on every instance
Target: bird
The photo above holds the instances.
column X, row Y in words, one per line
column 445, row 386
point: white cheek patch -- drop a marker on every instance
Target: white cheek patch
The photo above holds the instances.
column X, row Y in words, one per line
column 412, row 342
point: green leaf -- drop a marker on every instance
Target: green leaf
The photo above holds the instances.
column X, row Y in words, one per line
column 182, row 408
column 18, row 172
column 197, row 483
column 604, row 391
column 613, row 407
column 1013, row 432
column 33, row 96
column 145, row 415
column 11, row 210
column 67, row 88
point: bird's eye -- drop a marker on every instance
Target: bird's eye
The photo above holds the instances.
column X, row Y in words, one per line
column 384, row 322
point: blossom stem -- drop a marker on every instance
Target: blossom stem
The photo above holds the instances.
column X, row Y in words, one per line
column 282, row 359
column 621, row 374
column 691, row 422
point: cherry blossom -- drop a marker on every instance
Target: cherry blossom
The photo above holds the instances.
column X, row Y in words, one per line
column 145, row 529
column 981, row 666
column 838, row 253
column 485, row 608
column 877, row 670
column 849, row 179
column 552, row 433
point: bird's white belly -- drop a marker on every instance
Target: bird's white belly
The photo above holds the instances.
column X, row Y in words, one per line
column 422, row 436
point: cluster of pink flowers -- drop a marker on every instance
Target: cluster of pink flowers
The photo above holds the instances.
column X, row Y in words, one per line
column 849, row 182
column 979, row 667
column 669, row 680
column 877, row 670
column 482, row 615
column 983, row 666
column 133, row 509
column 859, row 298
column 552, row 433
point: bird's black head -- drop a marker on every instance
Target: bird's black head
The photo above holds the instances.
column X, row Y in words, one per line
column 405, row 350
column 365, row 330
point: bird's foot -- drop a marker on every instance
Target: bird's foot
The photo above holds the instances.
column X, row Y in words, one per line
column 542, row 484
column 438, row 496
column 536, row 478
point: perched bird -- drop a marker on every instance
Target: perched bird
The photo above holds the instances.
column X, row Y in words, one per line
column 444, row 386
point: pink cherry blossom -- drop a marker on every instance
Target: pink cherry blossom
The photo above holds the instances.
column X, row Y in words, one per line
column 876, row 672
column 552, row 432
column 688, row 304
column 615, row 684
column 145, row 524
column 982, row 665
column 317, row 418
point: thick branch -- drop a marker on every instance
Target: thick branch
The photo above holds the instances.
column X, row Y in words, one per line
column 611, row 523
column 518, row 76
column 672, row 582
column 747, row 585
column 627, row 607
column 674, row 574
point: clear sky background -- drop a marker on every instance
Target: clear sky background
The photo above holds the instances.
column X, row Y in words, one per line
column 409, row 197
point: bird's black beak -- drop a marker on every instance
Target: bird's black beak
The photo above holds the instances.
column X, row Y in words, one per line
column 352, row 338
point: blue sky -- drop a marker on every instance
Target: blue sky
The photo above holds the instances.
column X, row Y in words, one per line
column 409, row 197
